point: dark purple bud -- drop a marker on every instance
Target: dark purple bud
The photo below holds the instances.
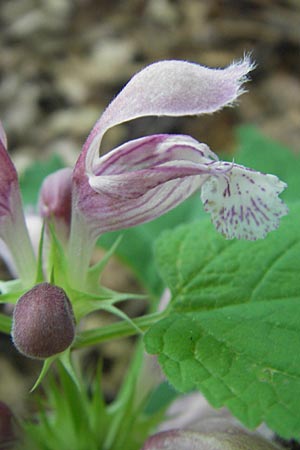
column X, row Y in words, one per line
column 7, row 433
column 43, row 322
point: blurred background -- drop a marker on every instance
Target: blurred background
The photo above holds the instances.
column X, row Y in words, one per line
column 62, row 61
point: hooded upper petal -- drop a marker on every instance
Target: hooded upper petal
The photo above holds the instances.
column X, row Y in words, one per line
column 170, row 88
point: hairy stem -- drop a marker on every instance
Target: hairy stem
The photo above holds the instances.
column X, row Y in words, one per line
column 116, row 330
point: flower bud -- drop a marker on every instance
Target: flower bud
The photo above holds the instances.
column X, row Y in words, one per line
column 43, row 322
column 55, row 201
column 7, row 432
column 13, row 229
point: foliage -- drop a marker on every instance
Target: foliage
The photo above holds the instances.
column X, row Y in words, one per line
column 235, row 306
column 77, row 417
column 231, row 329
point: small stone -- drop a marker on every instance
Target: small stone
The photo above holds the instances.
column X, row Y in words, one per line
column 191, row 440
column 43, row 322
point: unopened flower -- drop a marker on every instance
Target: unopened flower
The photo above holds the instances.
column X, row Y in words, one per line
column 55, row 201
column 43, row 322
column 13, row 229
column 7, row 428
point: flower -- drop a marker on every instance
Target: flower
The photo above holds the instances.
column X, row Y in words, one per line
column 55, row 201
column 146, row 177
column 13, row 230
column 7, row 427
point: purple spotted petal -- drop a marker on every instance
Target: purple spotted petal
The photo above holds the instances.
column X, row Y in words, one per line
column 243, row 203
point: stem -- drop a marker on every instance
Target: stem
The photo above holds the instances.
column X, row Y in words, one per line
column 5, row 324
column 80, row 250
column 17, row 239
column 117, row 330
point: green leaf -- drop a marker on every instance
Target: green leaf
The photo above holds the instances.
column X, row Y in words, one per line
column 39, row 278
column 32, row 178
column 115, row 330
column 234, row 330
column 84, row 302
column 135, row 249
column 95, row 272
column 67, row 417
column 66, row 361
column 71, row 418
column 261, row 153
column 11, row 297
column 57, row 261
column 5, row 324
column 45, row 368
column 137, row 243
column 255, row 151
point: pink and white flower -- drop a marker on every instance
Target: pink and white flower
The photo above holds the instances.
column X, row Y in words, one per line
column 13, row 230
column 144, row 178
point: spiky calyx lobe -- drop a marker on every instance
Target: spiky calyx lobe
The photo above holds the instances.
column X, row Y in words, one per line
column 43, row 322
